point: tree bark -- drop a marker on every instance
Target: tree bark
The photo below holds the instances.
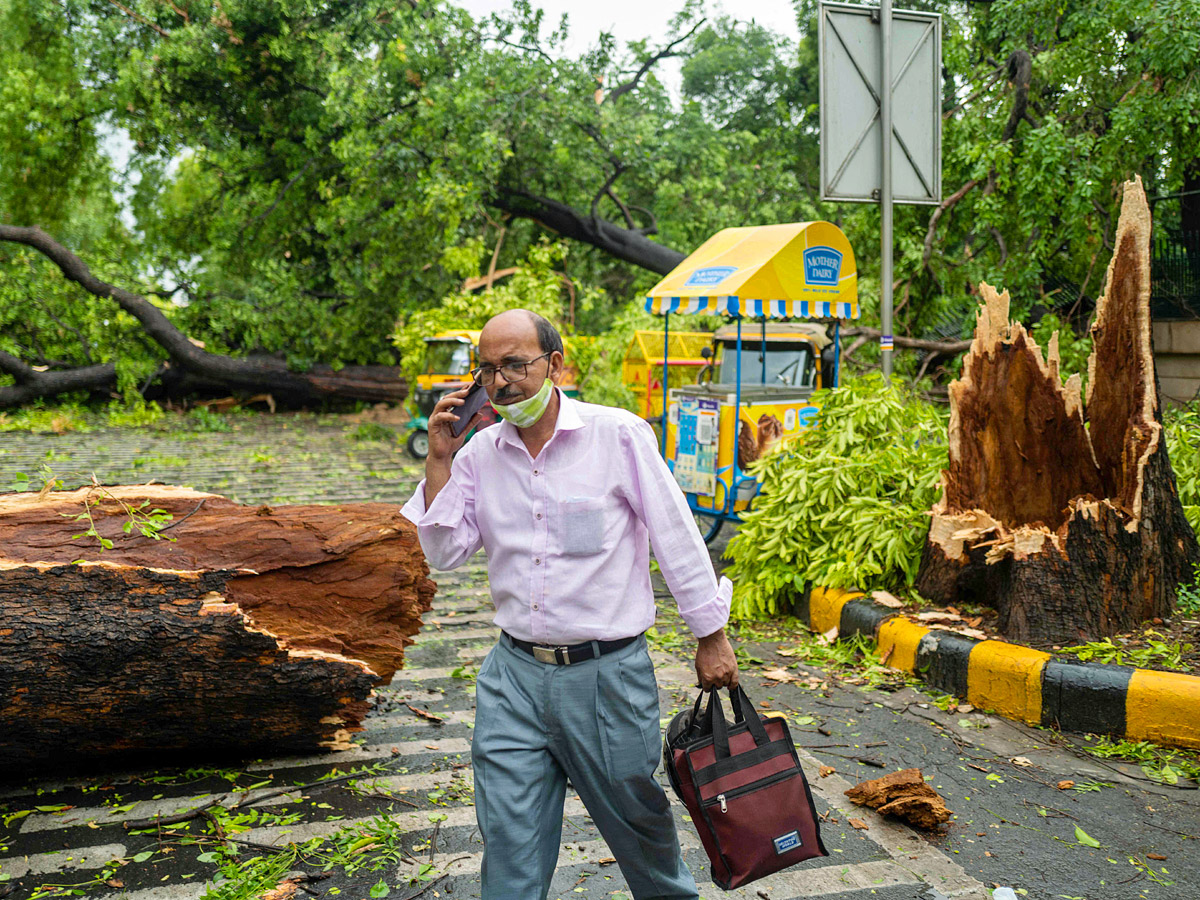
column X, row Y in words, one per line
column 1063, row 516
column 260, row 374
column 255, row 631
column 629, row 244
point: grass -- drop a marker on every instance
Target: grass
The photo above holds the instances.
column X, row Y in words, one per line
column 1157, row 652
column 372, row 431
column 1162, row 764
column 1187, row 596
column 854, row 660
column 247, row 871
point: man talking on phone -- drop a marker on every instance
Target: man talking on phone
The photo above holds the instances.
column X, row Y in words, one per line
column 566, row 499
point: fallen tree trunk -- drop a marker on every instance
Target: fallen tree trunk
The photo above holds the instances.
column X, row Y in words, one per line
column 255, row 631
column 255, row 374
column 1063, row 516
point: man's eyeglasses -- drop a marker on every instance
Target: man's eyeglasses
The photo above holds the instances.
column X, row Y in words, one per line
column 512, row 371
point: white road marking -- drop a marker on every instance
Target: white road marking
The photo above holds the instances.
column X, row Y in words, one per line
column 79, row 858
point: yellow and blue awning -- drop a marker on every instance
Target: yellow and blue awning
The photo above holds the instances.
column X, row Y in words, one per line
column 802, row 269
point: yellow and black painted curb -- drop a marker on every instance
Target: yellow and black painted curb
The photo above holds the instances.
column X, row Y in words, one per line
column 1017, row 682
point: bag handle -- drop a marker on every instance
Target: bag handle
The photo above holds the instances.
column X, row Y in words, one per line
column 743, row 710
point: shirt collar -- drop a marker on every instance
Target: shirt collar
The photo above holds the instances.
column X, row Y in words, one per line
column 568, row 420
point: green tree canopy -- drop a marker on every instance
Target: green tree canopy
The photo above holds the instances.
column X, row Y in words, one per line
column 303, row 174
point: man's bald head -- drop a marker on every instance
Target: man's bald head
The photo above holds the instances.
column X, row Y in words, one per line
column 512, row 321
column 520, row 336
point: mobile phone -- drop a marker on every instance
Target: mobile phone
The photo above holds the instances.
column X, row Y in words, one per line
column 472, row 403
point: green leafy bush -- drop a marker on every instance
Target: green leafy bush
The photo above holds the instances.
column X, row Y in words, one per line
column 537, row 285
column 201, row 418
column 372, row 431
column 847, row 505
column 1073, row 350
column 1183, row 448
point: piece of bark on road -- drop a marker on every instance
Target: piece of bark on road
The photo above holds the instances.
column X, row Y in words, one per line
column 905, row 795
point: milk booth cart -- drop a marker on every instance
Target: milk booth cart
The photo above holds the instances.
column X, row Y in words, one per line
column 760, row 402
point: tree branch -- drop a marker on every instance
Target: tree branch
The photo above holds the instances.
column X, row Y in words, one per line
column 279, row 197
column 83, row 341
column 995, row 232
column 944, row 207
column 606, row 188
column 32, row 384
column 630, row 245
column 989, row 80
column 140, row 18
column 665, row 53
column 949, row 348
column 259, row 374
column 624, row 209
column 1020, row 70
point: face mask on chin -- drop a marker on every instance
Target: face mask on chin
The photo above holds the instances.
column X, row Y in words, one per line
column 527, row 412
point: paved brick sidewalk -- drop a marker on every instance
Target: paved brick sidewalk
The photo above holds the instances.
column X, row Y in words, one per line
column 1013, row 826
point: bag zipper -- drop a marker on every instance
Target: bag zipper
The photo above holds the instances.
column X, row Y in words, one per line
column 749, row 788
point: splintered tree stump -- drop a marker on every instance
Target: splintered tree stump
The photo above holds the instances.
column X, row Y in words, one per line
column 1063, row 515
column 255, row 631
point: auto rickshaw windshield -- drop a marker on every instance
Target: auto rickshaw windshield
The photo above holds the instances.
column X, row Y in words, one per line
column 788, row 365
column 447, row 358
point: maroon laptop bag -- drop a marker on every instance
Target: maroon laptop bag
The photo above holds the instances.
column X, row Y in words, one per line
column 743, row 786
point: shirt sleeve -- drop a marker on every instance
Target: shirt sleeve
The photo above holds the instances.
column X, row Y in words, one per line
column 447, row 529
column 682, row 556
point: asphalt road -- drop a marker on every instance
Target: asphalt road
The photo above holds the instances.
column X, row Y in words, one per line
column 1012, row 824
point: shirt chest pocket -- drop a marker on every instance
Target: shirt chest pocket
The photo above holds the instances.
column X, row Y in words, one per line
column 584, row 522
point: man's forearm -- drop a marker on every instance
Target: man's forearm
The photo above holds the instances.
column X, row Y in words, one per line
column 437, row 473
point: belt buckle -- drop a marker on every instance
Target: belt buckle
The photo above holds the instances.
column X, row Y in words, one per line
column 547, row 654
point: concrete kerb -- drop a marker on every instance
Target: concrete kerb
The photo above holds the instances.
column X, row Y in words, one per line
column 1017, row 682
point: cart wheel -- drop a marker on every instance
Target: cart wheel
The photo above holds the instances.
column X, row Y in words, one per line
column 709, row 526
column 418, row 443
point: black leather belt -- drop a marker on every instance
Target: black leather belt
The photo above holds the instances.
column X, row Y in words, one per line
column 565, row 656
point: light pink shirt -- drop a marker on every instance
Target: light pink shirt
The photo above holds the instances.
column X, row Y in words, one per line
column 568, row 535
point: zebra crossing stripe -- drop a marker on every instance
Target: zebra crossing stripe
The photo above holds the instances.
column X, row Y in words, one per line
column 814, row 881
column 188, row 891
column 103, row 815
column 106, row 815
column 408, row 720
column 481, row 618
column 429, row 674
column 44, row 863
column 365, row 754
column 434, row 636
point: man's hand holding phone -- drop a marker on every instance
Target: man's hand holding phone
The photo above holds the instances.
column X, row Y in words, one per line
column 452, row 419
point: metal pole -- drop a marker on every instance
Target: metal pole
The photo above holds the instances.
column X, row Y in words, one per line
column 885, row 198
column 730, row 505
column 762, row 351
column 650, row 369
column 837, row 351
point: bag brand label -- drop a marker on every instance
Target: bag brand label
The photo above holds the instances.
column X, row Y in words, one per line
column 786, row 842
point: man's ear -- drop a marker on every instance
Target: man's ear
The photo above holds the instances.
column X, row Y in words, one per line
column 557, row 367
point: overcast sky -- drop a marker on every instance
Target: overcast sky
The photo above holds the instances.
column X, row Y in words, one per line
column 626, row 19
column 632, row 19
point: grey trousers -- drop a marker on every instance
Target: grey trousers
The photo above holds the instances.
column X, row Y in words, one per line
column 597, row 722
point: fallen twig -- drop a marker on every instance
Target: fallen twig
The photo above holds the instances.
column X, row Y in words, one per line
column 424, row 714
column 201, row 810
column 427, row 887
